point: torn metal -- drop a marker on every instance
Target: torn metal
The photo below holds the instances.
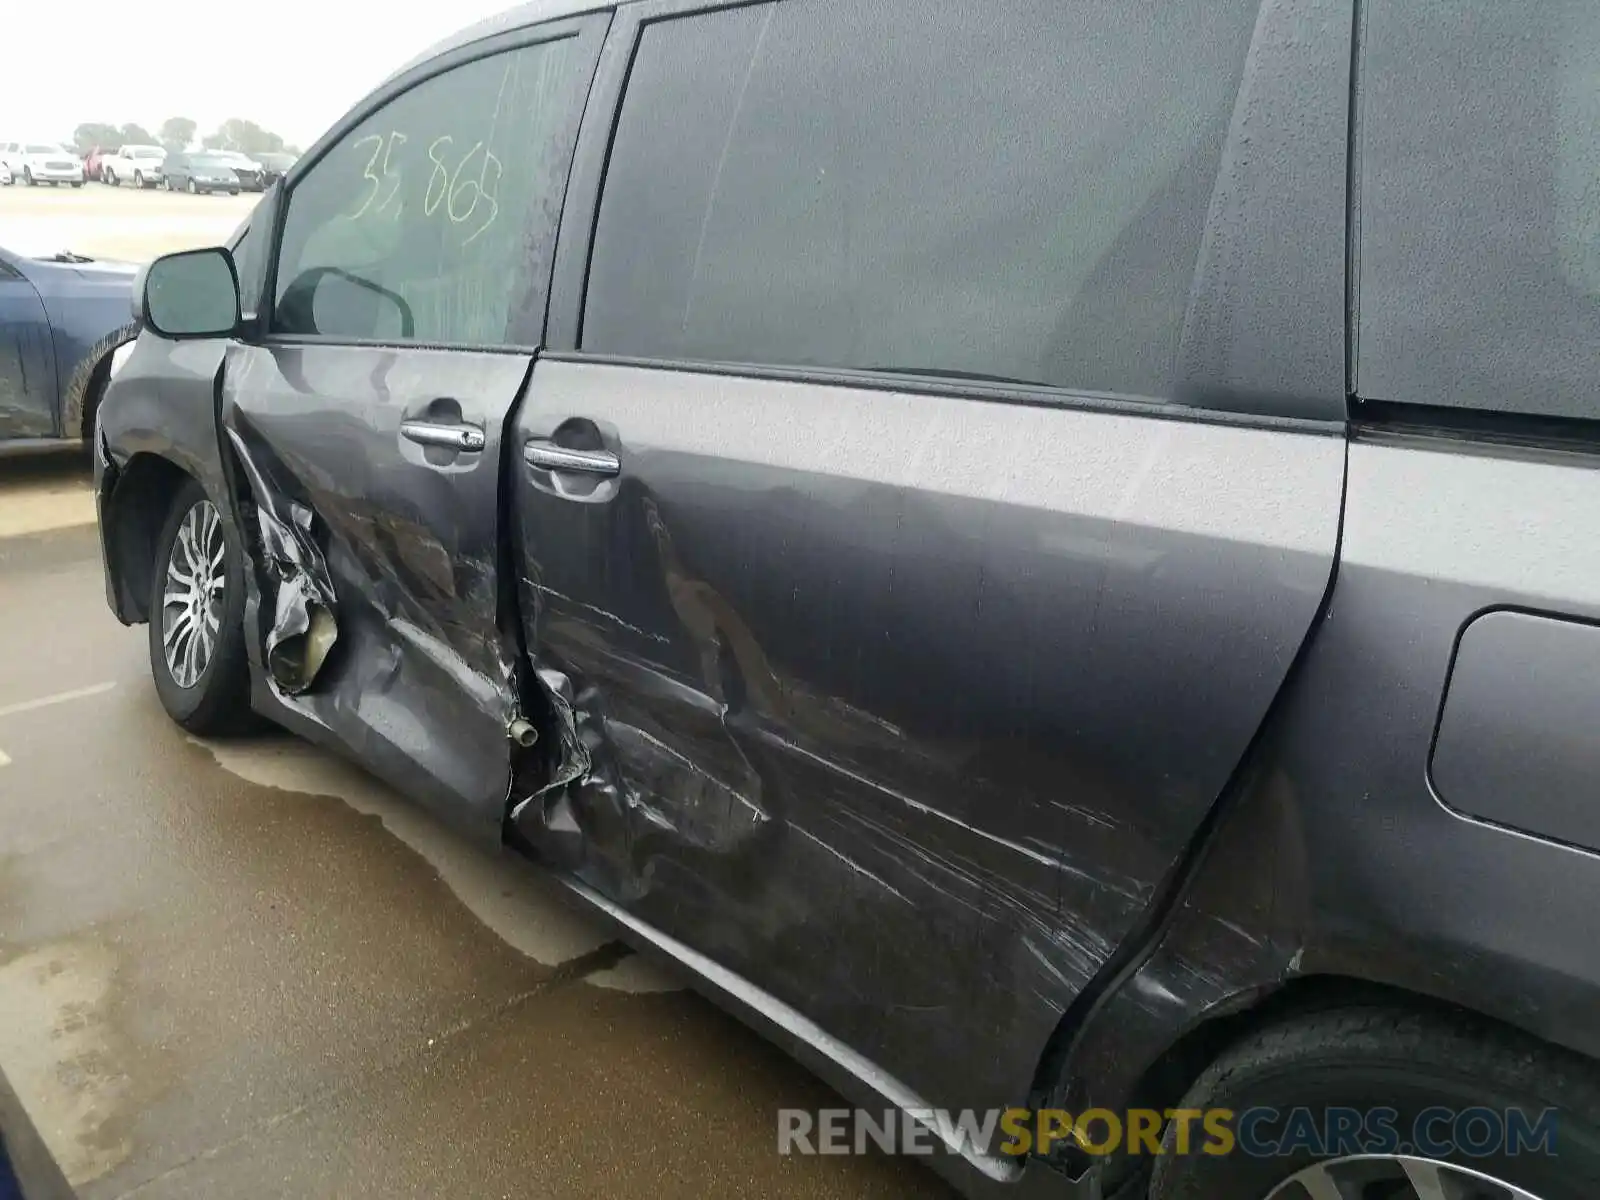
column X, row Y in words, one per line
column 304, row 628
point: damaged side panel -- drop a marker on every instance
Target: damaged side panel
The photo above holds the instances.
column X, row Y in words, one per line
column 374, row 603
column 905, row 742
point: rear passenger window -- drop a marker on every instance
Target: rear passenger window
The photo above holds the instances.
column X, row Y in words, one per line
column 423, row 222
column 1480, row 206
column 938, row 186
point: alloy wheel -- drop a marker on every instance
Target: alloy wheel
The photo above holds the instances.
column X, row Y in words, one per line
column 1393, row 1177
column 191, row 601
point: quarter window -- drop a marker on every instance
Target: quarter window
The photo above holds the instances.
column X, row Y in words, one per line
column 420, row 224
column 1480, row 206
column 935, row 187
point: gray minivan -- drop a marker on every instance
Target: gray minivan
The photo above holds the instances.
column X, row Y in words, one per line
column 1043, row 552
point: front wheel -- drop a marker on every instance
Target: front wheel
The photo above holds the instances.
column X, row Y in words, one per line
column 27, row 177
column 197, row 651
column 1380, row 1102
column 138, row 180
column 193, row 191
column 78, row 184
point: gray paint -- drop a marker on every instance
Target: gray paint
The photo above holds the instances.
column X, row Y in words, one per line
column 1338, row 859
column 1519, row 738
column 874, row 680
column 419, row 685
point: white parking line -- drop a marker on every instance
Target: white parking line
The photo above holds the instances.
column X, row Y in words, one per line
column 94, row 689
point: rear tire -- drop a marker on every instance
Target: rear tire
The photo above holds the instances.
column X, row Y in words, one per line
column 1364, row 1059
column 213, row 696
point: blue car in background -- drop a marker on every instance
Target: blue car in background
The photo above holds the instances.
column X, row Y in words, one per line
column 62, row 318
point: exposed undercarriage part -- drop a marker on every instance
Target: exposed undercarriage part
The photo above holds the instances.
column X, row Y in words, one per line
column 303, row 628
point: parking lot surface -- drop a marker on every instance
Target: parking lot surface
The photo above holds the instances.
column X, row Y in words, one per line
column 117, row 223
column 247, row 969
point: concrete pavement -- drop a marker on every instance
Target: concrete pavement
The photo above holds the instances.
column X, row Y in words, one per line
column 247, row 969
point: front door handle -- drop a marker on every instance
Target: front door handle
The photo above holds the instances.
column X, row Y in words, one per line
column 447, row 437
column 550, row 457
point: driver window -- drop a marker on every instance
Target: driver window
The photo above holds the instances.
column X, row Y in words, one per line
column 411, row 227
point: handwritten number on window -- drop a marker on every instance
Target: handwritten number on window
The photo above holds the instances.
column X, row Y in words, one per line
column 382, row 147
column 457, row 192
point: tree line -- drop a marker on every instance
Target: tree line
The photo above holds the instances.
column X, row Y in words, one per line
column 178, row 133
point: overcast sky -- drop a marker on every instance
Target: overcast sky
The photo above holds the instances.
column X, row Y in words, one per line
column 292, row 66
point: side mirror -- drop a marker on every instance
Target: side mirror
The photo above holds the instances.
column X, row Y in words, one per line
column 192, row 294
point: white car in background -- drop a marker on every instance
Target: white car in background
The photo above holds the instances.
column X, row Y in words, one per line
column 5, row 174
column 42, row 162
column 138, row 165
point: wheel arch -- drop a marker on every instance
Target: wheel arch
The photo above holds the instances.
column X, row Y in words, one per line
column 1164, row 1080
column 132, row 514
column 87, row 384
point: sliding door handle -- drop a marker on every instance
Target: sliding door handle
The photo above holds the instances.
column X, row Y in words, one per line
column 447, row 437
column 548, row 456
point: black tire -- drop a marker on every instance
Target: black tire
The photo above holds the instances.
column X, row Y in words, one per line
column 138, row 180
column 78, row 184
column 193, row 191
column 219, row 700
column 1367, row 1058
column 27, row 177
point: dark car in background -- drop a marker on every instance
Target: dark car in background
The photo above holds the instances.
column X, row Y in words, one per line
column 62, row 318
column 1043, row 552
column 199, row 171
column 251, row 175
column 274, row 166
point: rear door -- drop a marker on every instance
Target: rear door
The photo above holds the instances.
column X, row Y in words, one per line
column 409, row 282
column 942, row 481
column 27, row 359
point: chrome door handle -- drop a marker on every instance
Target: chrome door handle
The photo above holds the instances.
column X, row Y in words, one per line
column 448, row 437
column 550, row 457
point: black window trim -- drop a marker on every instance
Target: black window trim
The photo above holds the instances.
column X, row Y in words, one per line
column 594, row 24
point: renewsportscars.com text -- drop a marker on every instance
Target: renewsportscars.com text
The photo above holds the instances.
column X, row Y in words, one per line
column 1258, row 1132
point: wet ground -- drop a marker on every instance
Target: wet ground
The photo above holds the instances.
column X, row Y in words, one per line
column 246, row 969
